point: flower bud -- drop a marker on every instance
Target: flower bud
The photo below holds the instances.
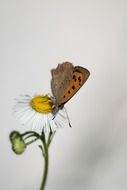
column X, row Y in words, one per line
column 18, row 144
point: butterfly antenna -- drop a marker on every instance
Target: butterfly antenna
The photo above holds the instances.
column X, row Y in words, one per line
column 67, row 117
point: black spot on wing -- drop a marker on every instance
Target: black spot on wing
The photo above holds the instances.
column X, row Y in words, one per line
column 74, row 77
column 79, row 79
column 73, row 87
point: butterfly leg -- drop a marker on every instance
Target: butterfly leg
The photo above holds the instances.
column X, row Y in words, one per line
column 67, row 117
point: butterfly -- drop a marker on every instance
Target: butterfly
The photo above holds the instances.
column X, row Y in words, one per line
column 66, row 81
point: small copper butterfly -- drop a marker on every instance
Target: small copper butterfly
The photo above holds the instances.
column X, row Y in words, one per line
column 66, row 81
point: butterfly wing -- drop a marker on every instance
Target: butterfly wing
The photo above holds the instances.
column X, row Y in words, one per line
column 61, row 78
column 79, row 77
column 66, row 81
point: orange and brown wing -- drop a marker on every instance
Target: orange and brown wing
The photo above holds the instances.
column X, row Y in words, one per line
column 79, row 77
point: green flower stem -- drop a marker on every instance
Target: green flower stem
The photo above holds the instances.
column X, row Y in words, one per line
column 30, row 133
column 31, row 141
column 46, row 160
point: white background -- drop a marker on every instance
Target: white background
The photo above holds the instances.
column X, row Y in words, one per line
column 36, row 35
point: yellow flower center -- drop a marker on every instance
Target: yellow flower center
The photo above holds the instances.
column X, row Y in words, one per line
column 42, row 104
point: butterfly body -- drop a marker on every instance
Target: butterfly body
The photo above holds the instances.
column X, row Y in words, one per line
column 66, row 81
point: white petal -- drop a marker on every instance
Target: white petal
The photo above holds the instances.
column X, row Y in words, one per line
column 38, row 121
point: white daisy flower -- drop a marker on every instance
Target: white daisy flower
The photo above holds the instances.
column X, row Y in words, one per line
column 40, row 113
